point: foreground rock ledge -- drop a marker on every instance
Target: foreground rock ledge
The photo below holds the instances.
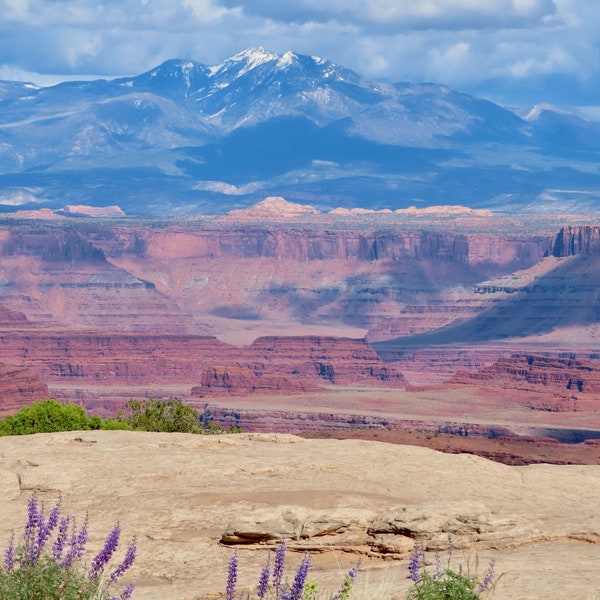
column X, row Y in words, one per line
column 182, row 494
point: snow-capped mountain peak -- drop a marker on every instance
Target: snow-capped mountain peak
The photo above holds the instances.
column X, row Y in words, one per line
column 289, row 124
column 287, row 59
column 246, row 60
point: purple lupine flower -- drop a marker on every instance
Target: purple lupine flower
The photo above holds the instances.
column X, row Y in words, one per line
column 29, row 535
column 125, row 564
column 231, row 577
column 61, row 539
column 46, row 528
column 279, row 566
column 103, row 557
column 263, row 582
column 439, row 568
column 300, row 579
column 344, row 591
column 487, row 580
column 126, row 594
column 32, row 516
column 77, row 545
column 415, row 563
column 81, row 540
column 9, row 554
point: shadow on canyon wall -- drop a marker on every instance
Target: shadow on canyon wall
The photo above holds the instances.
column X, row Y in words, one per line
column 569, row 295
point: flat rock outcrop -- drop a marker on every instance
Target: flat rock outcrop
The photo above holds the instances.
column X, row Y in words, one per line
column 181, row 495
column 392, row 531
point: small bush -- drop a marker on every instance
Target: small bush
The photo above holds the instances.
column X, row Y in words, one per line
column 47, row 416
column 157, row 415
column 111, row 424
column 445, row 583
column 38, row 567
column 167, row 416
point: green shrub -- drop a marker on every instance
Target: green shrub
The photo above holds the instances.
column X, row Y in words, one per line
column 170, row 416
column 46, row 416
column 115, row 424
column 446, row 583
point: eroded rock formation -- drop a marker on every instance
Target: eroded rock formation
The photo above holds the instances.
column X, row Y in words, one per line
column 393, row 531
column 571, row 383
column 242, row 381
column 573, row 240
column 288, row 363
column 89, row 304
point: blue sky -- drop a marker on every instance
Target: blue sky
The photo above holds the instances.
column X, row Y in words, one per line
column 516, row 52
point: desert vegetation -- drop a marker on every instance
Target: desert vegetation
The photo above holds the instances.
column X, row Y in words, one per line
column 46, row 416
column 47, row 561
column 444, row 583
column 273, row 585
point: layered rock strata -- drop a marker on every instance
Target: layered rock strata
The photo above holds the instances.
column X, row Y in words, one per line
column 167, row 278
column 129, row 358
column 19, row 387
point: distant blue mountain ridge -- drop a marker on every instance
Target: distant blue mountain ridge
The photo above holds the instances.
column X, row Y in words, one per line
column 188, row 138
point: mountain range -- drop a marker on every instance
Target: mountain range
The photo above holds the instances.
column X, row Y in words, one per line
column 187, row 138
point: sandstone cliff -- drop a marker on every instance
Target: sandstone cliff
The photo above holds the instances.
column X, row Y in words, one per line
column 305, row 244
column 53, row 245
column 115, row 359
column 209, row 275
column 573, row 240
column 240, row 381
column 571, row 384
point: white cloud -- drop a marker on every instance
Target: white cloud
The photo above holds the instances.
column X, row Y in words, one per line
column 14, row 10
column 424, row 14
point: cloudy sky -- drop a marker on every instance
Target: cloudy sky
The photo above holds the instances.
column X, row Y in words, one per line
column 516, row 52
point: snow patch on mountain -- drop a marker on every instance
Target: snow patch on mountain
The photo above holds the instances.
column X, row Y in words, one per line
column 540, row 108
column 289, row 58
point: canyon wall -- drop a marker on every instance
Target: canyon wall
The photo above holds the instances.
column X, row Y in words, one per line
column 107, row 304
column 207, row 276
column 19, row 387
column 569, row 384
column 269, row 364
column 574, row 240
column 298, row 244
